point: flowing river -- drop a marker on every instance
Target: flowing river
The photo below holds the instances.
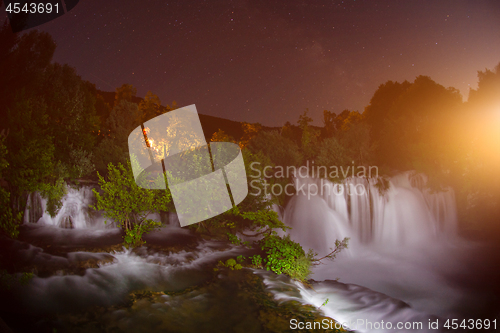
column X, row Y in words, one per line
column 406, row 268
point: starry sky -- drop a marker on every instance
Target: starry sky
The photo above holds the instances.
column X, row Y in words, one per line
column 267, row 61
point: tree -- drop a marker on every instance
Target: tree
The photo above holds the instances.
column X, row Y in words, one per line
column 103, row 110
column 71, row 110
column 292, row 133
column 381, row 104
column 125, row 92
column 114, row 147
column 32, row 167
column 172, row 107
column 354, row 135
column 149, row 107
column 22, row 60
column 353, row 118
column 129, row 204
column 69, row 104
column 477, row 161
column 416, row 129
column 282, row 255
column 488, row 87
column 329, row 122
column 340, row 119
column 309, row 136
column 332, row 154
column 8, row 38
column 9, row 223
column 280, row 150
column 221, row 136
column 304, row 121
column 249, row 132
column 271, row 150
column 48, row 112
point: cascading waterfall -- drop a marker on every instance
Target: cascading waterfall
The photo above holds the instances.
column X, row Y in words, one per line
column 403, row 241
column 76, row 211
column 404, row 214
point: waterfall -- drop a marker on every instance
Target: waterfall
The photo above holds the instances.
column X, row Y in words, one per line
column 403, row 244
column 34, row 209
column 76, row 211
column 404, row 214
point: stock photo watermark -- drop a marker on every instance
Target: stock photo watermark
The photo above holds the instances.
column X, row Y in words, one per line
column 25, row 15
column 327, row 177
column 205, row 180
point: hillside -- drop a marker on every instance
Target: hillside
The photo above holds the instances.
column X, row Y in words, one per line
column 210, row 124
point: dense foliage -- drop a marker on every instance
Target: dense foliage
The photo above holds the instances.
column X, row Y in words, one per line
column 286, row 256
column 8, row 222
column 128, row 204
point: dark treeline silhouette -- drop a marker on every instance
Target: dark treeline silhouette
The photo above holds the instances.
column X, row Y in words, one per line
column 420, row 126
column 57, row 127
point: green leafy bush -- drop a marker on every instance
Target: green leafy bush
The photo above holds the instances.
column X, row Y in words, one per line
column 8, row 280
column 285, row 256
column 133, row 237
column 9, row 221
column 231, row 264
column 257, row 260
column 233, row 239
column 54, row 194
column 128, row 204
column 283, row 151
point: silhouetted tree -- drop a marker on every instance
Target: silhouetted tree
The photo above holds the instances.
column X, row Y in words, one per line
column 22, row 60
column 221, row 136
column 332, row 154
column 329, row 123
column 339, row 120
column 114, row 147
column 280, row 150
column 149, row 107
column 125, row 92
column 32, row 166
column 477, row 158
column 414, row 131
column 73, row 123
column 309, row 136
column 249, row 132
column 292, row 132
column 355, row 137
column 380, row 105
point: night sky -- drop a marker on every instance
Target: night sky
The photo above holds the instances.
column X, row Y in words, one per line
column 266, row 61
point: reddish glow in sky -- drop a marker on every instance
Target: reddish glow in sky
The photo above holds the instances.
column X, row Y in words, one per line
column 267, row 61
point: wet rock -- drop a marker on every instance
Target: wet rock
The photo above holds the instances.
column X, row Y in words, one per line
column 81, row 261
